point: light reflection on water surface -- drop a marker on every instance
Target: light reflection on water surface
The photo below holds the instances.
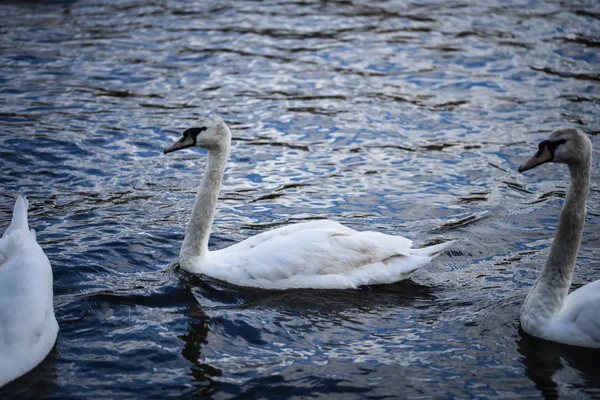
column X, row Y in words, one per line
column 407, row 118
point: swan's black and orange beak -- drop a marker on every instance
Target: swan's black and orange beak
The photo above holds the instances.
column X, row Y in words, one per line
column 185, row 142
column 544, row 154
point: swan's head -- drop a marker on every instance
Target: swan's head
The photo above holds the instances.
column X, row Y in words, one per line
column 566, row 146
column 208, row 133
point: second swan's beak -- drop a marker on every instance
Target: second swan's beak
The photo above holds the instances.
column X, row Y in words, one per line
column 542, row 156
column 183, row 143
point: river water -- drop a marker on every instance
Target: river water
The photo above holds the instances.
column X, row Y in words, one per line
column 408, row 118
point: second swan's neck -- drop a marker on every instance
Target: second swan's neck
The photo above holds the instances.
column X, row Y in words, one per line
column 197, row 233
column 552, row 286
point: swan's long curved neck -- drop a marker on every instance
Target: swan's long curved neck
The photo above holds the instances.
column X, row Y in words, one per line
column 552, row 286
column 197, row 233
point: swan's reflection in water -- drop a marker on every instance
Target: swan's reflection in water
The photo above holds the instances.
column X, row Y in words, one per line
column 195, row 339
column 212, row 293
column 296, row 331
column 548, row 363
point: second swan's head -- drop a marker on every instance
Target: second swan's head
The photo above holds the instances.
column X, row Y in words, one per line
column 566, row 146
column 208, row 133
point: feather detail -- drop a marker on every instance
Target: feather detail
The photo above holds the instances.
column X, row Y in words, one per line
column 28, row 328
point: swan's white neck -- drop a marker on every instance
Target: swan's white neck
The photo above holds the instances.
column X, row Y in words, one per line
column 552, row 286
column 195, row 243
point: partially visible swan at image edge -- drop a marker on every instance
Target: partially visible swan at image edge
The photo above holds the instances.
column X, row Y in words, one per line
column 28, row 327
column 320, row 254
column 548, row 312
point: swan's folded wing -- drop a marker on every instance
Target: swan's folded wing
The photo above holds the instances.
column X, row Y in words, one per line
column 287, row 231
column 17, row 241
column 581, row 311
column 25, row 296
column 318, row 257
column 28, row 328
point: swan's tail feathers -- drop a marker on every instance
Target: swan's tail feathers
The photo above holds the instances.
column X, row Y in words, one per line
column 435, row 250
column 19, row 217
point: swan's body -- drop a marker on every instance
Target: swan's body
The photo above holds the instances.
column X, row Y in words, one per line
column 28, row 327
column 548, row 312
column 320, row 254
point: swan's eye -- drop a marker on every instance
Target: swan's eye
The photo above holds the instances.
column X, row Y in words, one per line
column 551, row 144
column 193, row 132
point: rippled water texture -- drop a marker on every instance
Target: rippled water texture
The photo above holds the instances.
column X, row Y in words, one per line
column 403, row 117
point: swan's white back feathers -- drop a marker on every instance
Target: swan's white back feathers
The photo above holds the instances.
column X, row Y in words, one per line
column 28, row 328
column 318, row 254
column 578, row 322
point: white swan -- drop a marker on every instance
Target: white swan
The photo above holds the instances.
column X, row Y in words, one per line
column 548, row 312
column 320, row 254
column 28, row 327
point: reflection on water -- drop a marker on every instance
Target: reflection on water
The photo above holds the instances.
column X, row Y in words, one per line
column 405, row 118
column 545, row 362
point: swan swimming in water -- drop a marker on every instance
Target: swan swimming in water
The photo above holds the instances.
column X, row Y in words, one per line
column 28, row 328
column 319, row 254
column 548, row 312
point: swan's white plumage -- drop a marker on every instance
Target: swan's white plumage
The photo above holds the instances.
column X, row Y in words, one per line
column 319, row 254
column 578, row 322
column 28, row 327
column 548, row 312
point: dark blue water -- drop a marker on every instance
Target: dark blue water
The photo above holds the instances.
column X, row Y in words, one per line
column 406, row 118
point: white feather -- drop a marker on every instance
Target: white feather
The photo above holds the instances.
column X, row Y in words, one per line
column 28, row 328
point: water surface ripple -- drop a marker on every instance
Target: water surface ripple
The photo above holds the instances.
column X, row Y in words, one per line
column 403, row 117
